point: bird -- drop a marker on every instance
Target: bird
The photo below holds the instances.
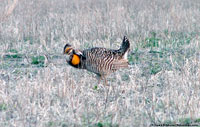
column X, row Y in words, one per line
column 99, row 60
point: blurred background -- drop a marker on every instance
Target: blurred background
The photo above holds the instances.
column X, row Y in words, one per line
column 38, row 88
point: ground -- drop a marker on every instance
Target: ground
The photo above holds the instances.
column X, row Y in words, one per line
column 161, row 85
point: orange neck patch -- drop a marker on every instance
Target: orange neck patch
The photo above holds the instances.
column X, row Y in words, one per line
column 75, row 59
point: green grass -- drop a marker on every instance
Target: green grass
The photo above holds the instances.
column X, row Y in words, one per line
column 169, row 122
column 197, row 120
column 185, row 121
column 158, row 50
column 38, row 60
column 13, row 51
column 3, row 107
column 152, row 41
column 13, row 56
column 95, row 87
column 100, row 124
column 56, row 123
column 182, row 122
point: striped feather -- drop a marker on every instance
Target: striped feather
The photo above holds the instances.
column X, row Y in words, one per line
column 102, row 61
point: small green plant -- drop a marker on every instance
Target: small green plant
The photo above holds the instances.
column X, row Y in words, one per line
column 169, row 122
column 105, row 124
column 13, row 51
column 154, row 69
column 50, row 124
column 197, row 120
column 3, row 107
column 63, row 124
column 99, row 124
column 160, row 54
column 147, row 101
column 185, row 121
column 130, row 59
column 95, row 87
column 38, row 60
column 133, row 56
column 152, row 41
column 11, row 56
column 166, row 32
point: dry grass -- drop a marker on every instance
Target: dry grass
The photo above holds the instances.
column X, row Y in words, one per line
column 38, row 88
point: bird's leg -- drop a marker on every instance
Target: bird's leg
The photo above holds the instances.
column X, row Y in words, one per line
column 99, row 79
column 105, row 81
column 107, row 91
column 106, row 98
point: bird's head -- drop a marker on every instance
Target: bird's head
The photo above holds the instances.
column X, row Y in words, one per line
column 74, row 56
column 68, row 49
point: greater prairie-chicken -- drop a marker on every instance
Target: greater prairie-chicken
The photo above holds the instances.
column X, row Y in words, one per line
column 101, row 61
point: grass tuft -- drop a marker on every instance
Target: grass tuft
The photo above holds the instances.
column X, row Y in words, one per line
column 38, row 60
column 3, row 107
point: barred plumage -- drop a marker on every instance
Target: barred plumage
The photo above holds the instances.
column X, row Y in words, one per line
column 101, row 61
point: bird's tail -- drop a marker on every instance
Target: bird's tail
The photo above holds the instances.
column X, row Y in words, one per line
column 125, row 45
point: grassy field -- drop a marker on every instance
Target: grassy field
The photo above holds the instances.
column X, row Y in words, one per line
column 39, row 89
